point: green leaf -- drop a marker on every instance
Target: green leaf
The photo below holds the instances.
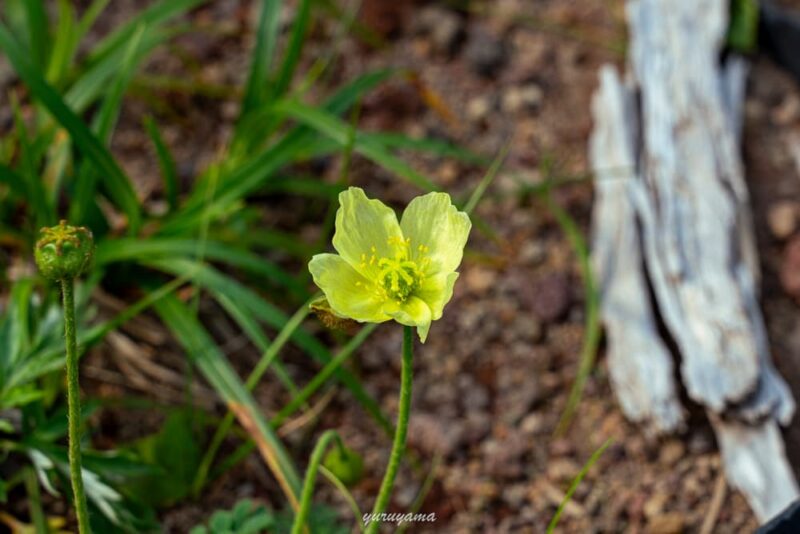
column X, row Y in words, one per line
column 175, row 450
column 117, row 184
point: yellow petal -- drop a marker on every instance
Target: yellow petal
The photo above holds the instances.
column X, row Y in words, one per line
column 437, row 291
column 364, row 228
column 349, row 294
column 413, row 312
column 437, row 231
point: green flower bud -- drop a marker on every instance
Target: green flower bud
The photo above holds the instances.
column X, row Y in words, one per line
column 64, row 252
column 346, row 464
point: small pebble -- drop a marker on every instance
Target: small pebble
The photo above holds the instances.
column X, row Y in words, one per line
column 485, row 53
column 782, row 219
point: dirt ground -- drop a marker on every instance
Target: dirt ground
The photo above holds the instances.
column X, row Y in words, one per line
column 492, row 380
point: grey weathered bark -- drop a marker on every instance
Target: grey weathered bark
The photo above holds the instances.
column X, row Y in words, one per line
column 672, row 214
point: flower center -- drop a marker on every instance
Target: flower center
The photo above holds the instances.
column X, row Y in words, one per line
column 399, row 276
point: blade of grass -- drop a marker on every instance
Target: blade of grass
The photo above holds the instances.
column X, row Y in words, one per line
column 575, row 483
column 266, row 39
column 119, row 186
column 487, row 179
column 322, row 377
column 267, row 239
column 64, row 44
column 251, row 175
column 217, row 370
column 14, row 181
column 38, row 31
column 256, row 374
column 331, row 126
column 299, row 399
column 322, row 63
column 89, row 17
column 218, row 284
column 427, row 485
column 132, row 249
column 103, row 125
column 253, row 330
column 591, row 339
column 436, row 147
column 166, row 163
column 35, row 195
column 293, row 49
column 153, row 16
column 50, row 358
column 36, row 510
column 93, row 81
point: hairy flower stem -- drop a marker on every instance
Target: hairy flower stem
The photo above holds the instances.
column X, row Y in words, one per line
column 399, row 445
column 74, row 406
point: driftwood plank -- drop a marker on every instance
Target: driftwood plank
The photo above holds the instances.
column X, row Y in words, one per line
column 672, row 213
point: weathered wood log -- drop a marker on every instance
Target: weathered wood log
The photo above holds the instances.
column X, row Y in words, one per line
column 644, row 385
column 672, row 214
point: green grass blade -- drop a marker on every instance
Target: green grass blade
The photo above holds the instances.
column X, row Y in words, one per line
column 293, row 48
column 253, row 330
column 333, row 127
column 117, row 184
column 591, row 339
column 322, row 377
column 221, row 286
column 14, row 181
column 166, row 163
column 94, row 80
column 35, row 193
column 38, row 31
column 436, row 147
column 131, row 249
column 217, row 370
column 65, row 43
column 487, row 179
column 103, row 126
column 89, row 17
column 251, row 175
column 269, row 354
column 266, row 39
column 575, row 483
column 153, row 16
